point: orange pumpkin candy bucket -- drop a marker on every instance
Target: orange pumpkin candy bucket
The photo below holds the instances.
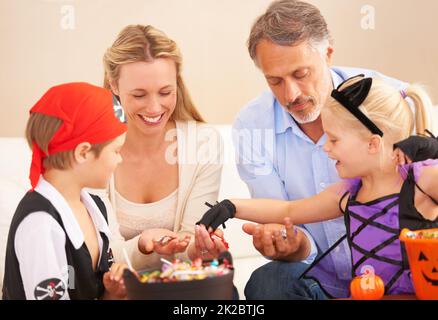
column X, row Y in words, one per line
column 422, row 250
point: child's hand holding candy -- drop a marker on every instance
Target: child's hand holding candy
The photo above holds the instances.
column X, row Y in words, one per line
column 113, row 282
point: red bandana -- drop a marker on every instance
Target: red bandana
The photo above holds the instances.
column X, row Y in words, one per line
column 88, row 116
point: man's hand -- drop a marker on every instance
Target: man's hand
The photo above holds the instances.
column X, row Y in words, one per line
column 272, row 242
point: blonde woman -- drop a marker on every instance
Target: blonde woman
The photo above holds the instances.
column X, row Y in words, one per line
column 171, row 159
column 383, row 192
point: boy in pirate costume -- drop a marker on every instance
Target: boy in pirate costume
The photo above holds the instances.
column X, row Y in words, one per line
column 58, row 242
column 383, row 191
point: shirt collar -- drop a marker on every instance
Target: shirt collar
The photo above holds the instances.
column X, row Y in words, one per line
column 336, row 79
column 71, row 225
column 283, row 120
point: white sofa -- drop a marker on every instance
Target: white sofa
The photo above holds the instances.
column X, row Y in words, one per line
column 14, row 169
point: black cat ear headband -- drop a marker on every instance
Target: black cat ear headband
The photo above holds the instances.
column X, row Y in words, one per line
column 352, row 98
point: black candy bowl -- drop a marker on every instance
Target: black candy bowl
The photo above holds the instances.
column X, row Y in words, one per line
column 210, row 288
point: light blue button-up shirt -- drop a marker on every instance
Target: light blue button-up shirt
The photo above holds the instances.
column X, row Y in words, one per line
column 277, row 160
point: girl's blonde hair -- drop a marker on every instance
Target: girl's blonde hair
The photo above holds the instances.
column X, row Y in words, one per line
column 390, row 111
column 145, row 43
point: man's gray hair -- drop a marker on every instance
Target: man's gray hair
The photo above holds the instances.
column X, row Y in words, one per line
column 288, row 23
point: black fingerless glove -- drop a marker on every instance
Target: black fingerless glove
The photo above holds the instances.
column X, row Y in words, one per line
column 419, row 148
column 218, row 214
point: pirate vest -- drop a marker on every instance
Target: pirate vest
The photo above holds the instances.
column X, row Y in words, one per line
column 87, row 283
column 373, row 230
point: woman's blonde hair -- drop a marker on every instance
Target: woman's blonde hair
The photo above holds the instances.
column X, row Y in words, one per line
column 390, row 111
column 40, row 129
column 144, row 43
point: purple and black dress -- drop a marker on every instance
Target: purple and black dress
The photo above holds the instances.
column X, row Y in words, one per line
column 373, row 230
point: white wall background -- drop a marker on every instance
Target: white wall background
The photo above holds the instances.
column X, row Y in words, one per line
column 39, row 49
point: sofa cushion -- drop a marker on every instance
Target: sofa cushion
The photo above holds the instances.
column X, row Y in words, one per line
column 14, row 168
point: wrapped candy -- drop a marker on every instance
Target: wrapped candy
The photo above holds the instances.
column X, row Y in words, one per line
column 432, row 234
column 186, row 271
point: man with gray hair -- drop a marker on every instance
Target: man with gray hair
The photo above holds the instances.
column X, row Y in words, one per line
column 279, row 138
